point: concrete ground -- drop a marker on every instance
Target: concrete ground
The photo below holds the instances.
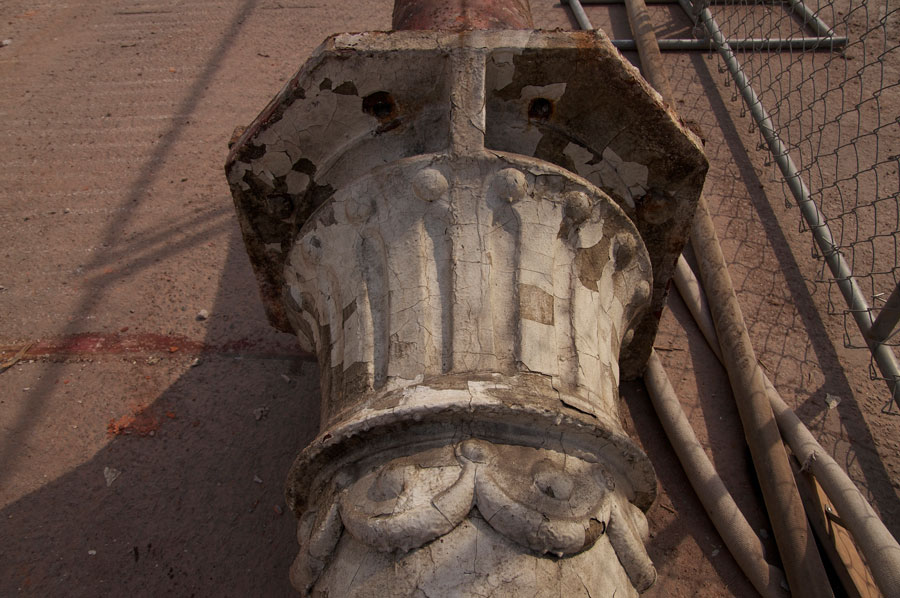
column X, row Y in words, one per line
column 144, row 447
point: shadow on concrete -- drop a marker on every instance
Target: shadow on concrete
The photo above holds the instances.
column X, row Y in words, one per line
column 195, row 510
column 149, row 173
column 878, row 480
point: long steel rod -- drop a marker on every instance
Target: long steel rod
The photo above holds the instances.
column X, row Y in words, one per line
column 775, row 44
column 736, row 532
column 886, row 321
column 876, row 543
column 580, row 16
column 843, row 275
column 810, row 18
column 648, row 47
column 802, row 564
column 686, row 44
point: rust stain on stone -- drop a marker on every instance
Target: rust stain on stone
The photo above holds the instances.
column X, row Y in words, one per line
column 535, row 304
column 589, row 263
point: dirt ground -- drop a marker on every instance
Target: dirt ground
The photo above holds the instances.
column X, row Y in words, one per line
column 144, row 447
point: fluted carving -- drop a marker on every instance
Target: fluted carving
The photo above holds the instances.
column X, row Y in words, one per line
column 517, row 270
column 427, row 232
column 480, row 297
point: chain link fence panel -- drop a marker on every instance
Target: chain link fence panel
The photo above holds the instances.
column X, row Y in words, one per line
column 835, row 106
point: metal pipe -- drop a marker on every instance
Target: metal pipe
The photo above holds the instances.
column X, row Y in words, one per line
column 580, row 16
column 881, row 550
column 886, row 321
column 856, row 302
column 776, row 44
column 736, row 532
column 648, row 48
column 692, row 293
column 803, row 565
column 809, row 18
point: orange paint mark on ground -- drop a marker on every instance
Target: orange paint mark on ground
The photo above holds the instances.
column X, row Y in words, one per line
column 98, row 343
column 140, row 422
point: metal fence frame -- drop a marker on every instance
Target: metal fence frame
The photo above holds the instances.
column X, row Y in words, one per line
column 857, row 305
column 875, row 331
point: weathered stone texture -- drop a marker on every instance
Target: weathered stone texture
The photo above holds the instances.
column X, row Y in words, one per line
column 567, row 98
column 417, row 511
column 491, row 272
column 469, row 230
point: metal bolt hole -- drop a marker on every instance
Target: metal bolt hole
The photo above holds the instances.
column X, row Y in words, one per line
column 380, row 105
column 540, row 109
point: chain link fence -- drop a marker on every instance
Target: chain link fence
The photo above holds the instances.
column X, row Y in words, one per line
column 826, row 100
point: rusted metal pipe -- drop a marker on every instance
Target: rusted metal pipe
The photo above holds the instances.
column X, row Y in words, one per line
column 884, row 324
column 802, row 562
column 648, row 47
column 876, row 543
column 803, row 565
column 736, row 532
column 462, row 15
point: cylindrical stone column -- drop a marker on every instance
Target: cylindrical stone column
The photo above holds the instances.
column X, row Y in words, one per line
column 467, row 313
column 411, row 211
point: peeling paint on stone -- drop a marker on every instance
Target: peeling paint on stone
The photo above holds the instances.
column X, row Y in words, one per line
column 467, row 230
column 607, row 133
column 535, row 304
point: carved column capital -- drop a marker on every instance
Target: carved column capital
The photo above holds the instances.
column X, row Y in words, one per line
column 468, row 265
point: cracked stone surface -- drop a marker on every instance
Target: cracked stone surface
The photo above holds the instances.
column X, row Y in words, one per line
column 418, row 513
column 358, row 104
column 469, row 247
